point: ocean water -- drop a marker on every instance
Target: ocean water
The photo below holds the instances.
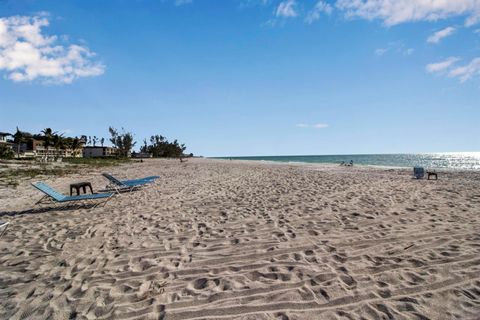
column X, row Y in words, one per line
column 453, row 161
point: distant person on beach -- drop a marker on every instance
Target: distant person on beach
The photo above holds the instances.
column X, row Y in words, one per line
column 351, row 163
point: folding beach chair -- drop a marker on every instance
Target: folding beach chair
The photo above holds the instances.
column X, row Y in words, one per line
column 128, row 185
column 4, row 226
column 419, row 172
column 57, row 197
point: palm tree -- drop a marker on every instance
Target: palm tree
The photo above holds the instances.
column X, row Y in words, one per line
column 144, row 148
column 48, row 138
column 18, row 138
column 102, row 141
column 58, row 142
column 67, row 143
column 76, row 143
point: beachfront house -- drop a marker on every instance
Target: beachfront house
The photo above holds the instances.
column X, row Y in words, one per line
column 33, row 147
column 3, row 137
column 4, row 141
column 99, row 152
column 40, row 151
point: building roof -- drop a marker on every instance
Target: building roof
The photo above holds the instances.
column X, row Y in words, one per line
column 5, row 134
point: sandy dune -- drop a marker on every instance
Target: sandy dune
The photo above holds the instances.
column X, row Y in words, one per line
column 236, row 240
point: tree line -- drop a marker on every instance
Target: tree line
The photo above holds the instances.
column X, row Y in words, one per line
column 160, row 147
column 124, row 141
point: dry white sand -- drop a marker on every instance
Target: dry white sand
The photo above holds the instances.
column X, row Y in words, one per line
column 236, row 240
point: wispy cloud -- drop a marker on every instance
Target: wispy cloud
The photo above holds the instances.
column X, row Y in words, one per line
column 66, row 131
column 381, row 51
column 441, row 65
column 319, row 8
column 393, row 12
column 287, row 9
column 26, row 54
column 395, row 46
column 466, row 72
column 408, row 52
column 451, row 69
column 315, row 126
column 439, row 35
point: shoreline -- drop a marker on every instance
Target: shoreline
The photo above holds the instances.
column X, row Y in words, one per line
column 333, row 165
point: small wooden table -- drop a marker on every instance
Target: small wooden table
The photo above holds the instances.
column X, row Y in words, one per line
column 433, row 174
column 80, row 185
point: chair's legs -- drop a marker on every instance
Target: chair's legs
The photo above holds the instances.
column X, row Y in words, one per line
column 41, row 200
column 79, row 204
column 113, row 187
column 103, row 203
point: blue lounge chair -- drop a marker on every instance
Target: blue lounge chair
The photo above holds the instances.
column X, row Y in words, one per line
column 419, row 172
column 128, row 185
column 56, row 196
column 4, row 225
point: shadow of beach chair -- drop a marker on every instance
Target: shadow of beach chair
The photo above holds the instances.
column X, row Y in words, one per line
column 53, row 195
column 418, row 172
column 128, row 185
column 4, row 226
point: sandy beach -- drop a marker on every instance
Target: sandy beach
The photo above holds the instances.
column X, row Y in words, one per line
column 247, row 240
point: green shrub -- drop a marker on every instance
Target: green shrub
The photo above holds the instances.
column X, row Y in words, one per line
column 6, row 152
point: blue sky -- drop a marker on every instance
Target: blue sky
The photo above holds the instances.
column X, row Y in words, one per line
column 247, row 77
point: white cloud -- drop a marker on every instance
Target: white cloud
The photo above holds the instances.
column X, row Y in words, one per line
column 381, row 51
column 316, row 126
column 287, row 9
column 395, row 46
column 466, row 72
column 448, row 67
column 439, row 35
column 26, row 54
column 394, row 12
column 314, row 14
column 442, row 65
